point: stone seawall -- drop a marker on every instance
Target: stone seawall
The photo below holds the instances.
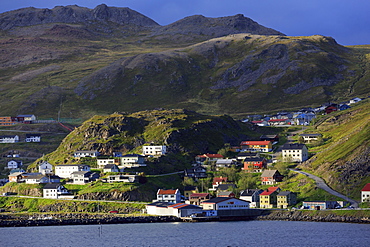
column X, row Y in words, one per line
column 77, row 219
column 317, row 216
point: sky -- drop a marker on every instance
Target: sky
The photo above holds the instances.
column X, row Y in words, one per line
column 347, row 21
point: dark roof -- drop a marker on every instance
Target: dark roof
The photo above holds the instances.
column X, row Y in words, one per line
column 160, row 204
column 310, row 134
column 108, row 166
column 190, row 188
column 225, row 186
column 216, row 200
column 132, row 155
column 249, row 192
column 255, row 159
column 293, row 146
column 87, row 173
column 284, row 193
column 52, row 186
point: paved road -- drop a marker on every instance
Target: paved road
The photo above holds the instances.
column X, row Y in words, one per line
column 322, row 185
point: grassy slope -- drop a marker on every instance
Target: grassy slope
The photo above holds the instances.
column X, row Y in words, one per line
column 346, row 134
column 79, row 58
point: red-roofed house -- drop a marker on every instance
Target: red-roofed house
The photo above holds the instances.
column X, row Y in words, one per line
column 172, row 196
column 217, row 181
column 208, row 157
column 268, row 198
column 273, row 122
column 256, row 146
column 365, row 193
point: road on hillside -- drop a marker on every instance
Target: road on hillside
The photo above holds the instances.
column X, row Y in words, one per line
column 322, row 185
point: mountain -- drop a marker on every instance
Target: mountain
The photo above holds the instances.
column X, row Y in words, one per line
column 75, row 62
column 73, row 14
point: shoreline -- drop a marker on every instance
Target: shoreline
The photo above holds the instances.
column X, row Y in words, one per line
column 58, row 219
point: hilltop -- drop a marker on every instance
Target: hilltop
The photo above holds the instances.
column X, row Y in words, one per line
column 82, row 62
column 182, row 131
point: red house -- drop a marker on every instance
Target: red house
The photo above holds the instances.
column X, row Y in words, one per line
column 271, row 177
column 255, row 164
column 330, row 109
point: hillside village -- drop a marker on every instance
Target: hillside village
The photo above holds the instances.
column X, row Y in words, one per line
column 255, row 157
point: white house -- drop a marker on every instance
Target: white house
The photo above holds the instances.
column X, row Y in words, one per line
column 294, row 152
column 14, row 164
column 131, row 160
column 122, row 178
column 111, row 168
column 173, row 196
column 354, row 100
column 86, row 153
column 365, row 193
column 9, row 139
column 154, row 150
column 105, row 161
column 33, row 138
column 46, row 168
column 308, row 138
column 84, row 177
column 38, row 178
column 65, row 171
column 55, row 191
column 224, row 203
column 252, row 196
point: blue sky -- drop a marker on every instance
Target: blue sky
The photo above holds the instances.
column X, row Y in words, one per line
column 348, row 21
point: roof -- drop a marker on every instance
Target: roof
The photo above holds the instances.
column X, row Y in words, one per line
column 254, row 159
column 269, row 173
column 219, row 156
column 199, row 195
column 51, row 186
column 366, row 187
column 81, row 173
column 310, row 134
column 132, row 155
column 225, row 186
column 71, row 165
column 224, row 161
column 108, row 166
column 219, row 179
column 291, row 146
column 15, row 174
column 217, row 200
column 160, row 204
column 284, row 193
column 225, row 193
column 221, row 199
column 166, row 192
column 188, row 187
column 269, row 191
column 249, row 192
column 86, row 151
column 184, row 205
column 255, row 143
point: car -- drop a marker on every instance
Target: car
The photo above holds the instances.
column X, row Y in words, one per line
column 113, row 212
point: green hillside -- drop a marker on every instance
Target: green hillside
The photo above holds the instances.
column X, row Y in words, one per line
column 343, row 159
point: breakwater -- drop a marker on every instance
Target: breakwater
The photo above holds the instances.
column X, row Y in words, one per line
column 351, row 216
column 8, row 220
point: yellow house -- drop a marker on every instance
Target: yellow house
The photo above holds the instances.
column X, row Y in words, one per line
column 188, row 190
column 285, row 199
column 268, row 198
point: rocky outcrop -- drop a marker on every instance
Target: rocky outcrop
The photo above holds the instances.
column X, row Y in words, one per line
column 313, row 216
